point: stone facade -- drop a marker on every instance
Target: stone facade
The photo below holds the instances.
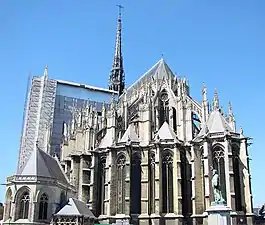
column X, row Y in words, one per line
column 37, row 191
column 149, row 158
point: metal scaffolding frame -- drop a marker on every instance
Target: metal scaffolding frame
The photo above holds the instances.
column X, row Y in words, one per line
column 38, row 117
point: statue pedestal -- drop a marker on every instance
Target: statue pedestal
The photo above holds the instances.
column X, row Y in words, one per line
column 219, row 215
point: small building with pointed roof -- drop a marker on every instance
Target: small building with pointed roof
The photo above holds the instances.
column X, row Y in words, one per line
column 37, row 191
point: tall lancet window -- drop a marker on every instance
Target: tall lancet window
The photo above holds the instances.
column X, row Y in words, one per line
column 8, row 204
column 167, row 182
column 202, row 174
column 219, row 165
column 174, row 119
column 101, row 185
column 237, row 177
column 151, row 183
column 121, row 163
column 164, row 108
column 24, row 206
column 135, row 184
column 196, row 125
column 43, row 207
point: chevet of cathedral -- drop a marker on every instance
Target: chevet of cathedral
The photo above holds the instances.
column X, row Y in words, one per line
column 151, row 155
column 148, row 158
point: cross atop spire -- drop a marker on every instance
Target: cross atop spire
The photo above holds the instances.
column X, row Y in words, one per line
column 117, row 79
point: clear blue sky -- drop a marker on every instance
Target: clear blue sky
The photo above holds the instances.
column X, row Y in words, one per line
column 220, row 43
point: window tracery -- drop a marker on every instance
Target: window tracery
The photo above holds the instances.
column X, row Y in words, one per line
column 121, row 162
column 219, row 165
column 164, row 107
column 135, row 183
column 24, row 205
column 237, row 177
column 43, row 207
column 8, row 204
column 167, row 182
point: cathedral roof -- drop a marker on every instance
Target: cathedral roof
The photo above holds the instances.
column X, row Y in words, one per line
column 166, row 133
column 216, row 123
column 130, row 136
column 43, row 165
column 75, row 208
column 107, row 140
column 159, row 71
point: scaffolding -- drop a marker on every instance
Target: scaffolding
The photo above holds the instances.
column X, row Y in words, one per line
column 38, row 116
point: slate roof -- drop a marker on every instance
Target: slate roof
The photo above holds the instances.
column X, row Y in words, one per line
column 42, row 164
column 129, row 135
column 166, row 133
column 159, row 71
column 75, row 207
column 216, row 123
column 107, row 140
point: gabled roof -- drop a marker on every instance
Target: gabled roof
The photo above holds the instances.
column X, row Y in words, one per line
column 75, row 208
column 129, row 136
column 159, row 71
column 107, row 140
column 166, row 133
column 42, row 164
column 216, row 123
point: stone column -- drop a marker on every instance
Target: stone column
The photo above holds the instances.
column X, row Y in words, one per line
column 155, row 215
column 112, row 193
column 144, row 217
column 247, row 193
column 227, row 156
column 177, row 193
column 188, row 123
column 80, row 185
column 92, row 181
column 158, row 190
column 198, row 193
column 108, row 192
column 127, row 186
column 207, row 163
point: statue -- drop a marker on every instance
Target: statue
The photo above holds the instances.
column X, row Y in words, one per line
column 218, row 198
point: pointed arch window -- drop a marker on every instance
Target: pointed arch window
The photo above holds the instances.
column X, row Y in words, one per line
column 121, row 163
column 8, row 204
column 24, row 206
column 101, row 185
column 43, row 207
column 164, row 108
column 237, row 177
column 167, row 182
column 135, row 184
column 174, row 119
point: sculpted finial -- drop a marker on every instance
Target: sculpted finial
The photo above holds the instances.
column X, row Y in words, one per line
column 204, row 92
column 45, row 72
column 241, row 131
column 230, row 112
column 215, row 100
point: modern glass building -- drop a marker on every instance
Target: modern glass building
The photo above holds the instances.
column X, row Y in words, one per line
column 50, row 104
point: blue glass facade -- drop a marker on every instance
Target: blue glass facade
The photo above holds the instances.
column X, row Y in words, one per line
column 67, row 96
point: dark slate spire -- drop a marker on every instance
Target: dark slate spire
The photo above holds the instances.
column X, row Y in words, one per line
column 117, row 79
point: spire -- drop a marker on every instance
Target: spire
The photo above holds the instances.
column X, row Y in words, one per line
column 230, row 112
column 215, row 100
column 117, row 79
column 204, row 93
column 45, row 72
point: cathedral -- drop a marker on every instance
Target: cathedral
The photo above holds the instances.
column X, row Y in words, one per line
column 146, row 157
